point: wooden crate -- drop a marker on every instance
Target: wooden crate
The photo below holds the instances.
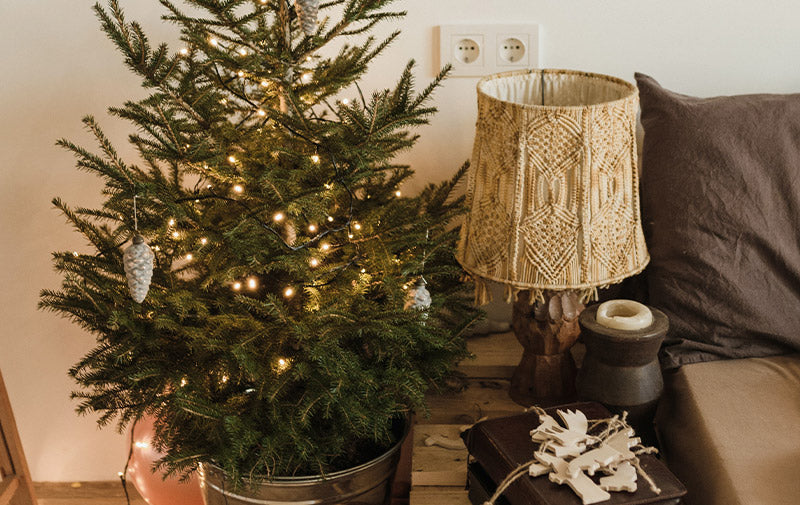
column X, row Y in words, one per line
column 439, row 475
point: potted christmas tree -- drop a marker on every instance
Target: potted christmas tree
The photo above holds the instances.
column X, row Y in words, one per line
column 257, row 284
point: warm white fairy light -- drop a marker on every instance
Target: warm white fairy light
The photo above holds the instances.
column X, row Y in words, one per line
column 204, row 241
column 213, row 41
column 189, row 257
column 252, row 283
column 363, row 270
column 325, row 246
column 184, row 382
column 345, row 101
column 75, row 253
column 175, row 234
column 349, row 235
column 243, row 51
column 224, row 379
column 405, row 286
column 330, row 219
column 184, row 51
column 232, row 159
column 223, row 101
column 240, row 73
column 282, row 365
column 397, row 193
column 171, row 222
column 328, row 185
column 264, row 83
column 238, row 188
column 357, row 226
column 314, row 262
column 312, row 228
column 208, row 186
column 306, row 78
column 278, row 217
column 141, row 445
column 237, row 286
column 288, row 292
column 262, row 112
column 120, row 474
column 315, row 158
column 156, row 248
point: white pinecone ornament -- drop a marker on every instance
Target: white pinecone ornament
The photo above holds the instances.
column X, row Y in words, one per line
column 138, row 263
column 418, row 298
column 307, row 11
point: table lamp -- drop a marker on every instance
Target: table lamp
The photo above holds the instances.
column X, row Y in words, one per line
column 554, row 209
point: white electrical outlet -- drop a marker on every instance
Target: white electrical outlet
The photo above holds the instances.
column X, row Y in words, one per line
column 467, row 50
column 478, row 50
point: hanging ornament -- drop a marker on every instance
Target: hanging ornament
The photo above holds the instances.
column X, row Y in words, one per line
column 138, row 262
column 307, row 14
column 418, row 298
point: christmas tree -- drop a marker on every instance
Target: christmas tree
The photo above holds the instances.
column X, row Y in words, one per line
column 286, row 324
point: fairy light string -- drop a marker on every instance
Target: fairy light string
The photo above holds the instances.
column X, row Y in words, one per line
column 257, row 110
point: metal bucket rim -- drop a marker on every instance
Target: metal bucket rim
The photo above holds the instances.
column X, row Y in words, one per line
column 310, row 479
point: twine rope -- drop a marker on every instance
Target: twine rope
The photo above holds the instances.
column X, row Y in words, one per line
column 613, row 425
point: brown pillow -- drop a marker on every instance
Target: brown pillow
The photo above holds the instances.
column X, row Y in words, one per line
column 721, row 210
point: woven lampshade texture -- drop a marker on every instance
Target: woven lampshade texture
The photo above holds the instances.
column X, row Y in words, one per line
column 553, row 189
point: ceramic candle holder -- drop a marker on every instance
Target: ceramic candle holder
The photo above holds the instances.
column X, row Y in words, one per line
column 621, row 367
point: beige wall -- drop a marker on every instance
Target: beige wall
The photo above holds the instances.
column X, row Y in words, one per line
column 57, row 66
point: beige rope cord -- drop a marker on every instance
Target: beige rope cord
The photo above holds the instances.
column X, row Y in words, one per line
column 553, row 188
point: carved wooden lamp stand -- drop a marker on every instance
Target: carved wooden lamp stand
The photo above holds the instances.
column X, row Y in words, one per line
column 546, row 330
column 554, row 209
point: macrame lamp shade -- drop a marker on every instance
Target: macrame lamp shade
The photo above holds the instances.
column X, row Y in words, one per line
column 554, row 208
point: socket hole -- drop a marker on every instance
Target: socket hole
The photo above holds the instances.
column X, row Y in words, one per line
column 466, row 51
column 511, row 50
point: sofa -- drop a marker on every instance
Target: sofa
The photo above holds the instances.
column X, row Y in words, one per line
column 721, row 212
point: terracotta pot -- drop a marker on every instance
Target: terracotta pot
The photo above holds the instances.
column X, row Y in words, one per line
column 366, row 484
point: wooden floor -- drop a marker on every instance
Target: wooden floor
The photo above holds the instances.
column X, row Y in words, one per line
column 438, row 475
column 85, row 493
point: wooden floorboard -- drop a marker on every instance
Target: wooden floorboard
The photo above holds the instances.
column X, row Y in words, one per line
column 85, row 493
column 436, row 495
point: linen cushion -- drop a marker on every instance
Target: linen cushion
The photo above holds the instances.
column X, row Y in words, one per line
column 721, row 211
column 728, row 429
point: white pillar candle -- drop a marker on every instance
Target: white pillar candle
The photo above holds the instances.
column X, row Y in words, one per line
column 624, row 315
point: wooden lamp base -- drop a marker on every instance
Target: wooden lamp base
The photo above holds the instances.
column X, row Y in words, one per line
column 546, row 330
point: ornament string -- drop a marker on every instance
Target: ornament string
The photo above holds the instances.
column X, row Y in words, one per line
column 424, row 255
column 135, row 216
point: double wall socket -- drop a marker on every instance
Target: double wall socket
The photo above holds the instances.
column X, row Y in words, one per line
column 477, row 50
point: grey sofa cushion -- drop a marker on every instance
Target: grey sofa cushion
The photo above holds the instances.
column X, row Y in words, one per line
column 721, row 210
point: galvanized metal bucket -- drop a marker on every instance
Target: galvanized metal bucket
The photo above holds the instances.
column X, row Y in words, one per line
column 366, row 484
